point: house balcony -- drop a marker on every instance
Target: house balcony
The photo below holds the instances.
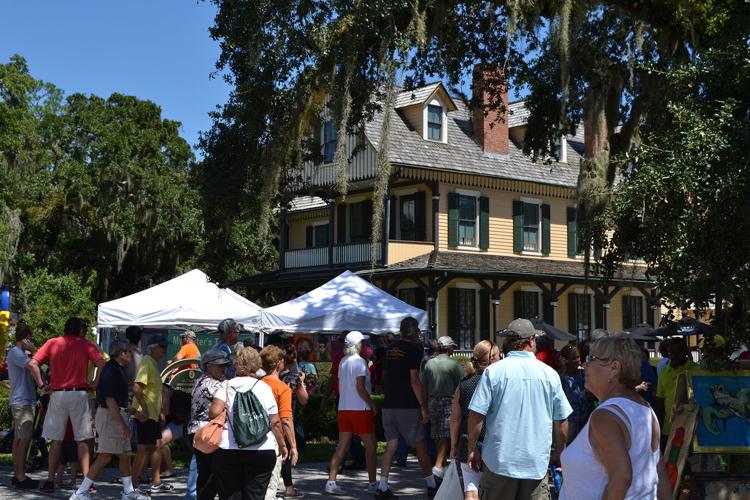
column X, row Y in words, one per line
column 354, row 254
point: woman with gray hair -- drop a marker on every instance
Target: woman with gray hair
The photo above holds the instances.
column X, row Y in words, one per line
column 616, row 454
column 244, row 473
column 215, row 363
column 356, row 412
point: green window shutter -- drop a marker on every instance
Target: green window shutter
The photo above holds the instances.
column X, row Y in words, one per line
column 452, row 219
column 393, row 215
column 341, row 224
column 419, row 216
column 572, row 316
column 309, row 237
column 484, row 223
column 367, row 219
column 453, row 312
column 484, row 315
column 517, row 304
column 517, row 226
column 572, row 232
column 546, row 244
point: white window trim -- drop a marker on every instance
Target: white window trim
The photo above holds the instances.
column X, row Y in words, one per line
column 539, row 202
column 443, row 121
column 476, row 195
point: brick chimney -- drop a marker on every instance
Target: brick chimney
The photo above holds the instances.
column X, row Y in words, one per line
column 490, row 130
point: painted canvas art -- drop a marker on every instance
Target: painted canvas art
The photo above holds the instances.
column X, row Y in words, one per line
column 724, row 412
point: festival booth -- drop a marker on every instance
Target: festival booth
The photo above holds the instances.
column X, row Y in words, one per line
column 347, row 302
column 191, row 300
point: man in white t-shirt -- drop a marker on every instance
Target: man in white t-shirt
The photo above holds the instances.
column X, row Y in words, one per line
column 355, row 413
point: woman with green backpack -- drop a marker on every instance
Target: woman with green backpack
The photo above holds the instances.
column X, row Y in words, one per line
column 246, row 456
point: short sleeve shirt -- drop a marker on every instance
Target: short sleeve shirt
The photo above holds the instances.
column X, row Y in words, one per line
column 189, row 351
column 22, row 385
column 520, row 397
column 203, row 392
column 666, row 387
column 227, row 391
column 148, row 377
column 224, row 347
column 400, row 359
column 440, row 376
column 68, row 358
column 282, row 394
column 112, row 384
column 351, row 367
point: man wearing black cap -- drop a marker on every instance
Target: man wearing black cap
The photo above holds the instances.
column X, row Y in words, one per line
column 523, row 403
column 147, row 394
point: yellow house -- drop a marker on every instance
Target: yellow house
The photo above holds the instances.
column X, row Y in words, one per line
column 475, row 232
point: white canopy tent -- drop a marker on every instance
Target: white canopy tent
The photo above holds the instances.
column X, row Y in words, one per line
column 347, row 302
column 189, row 300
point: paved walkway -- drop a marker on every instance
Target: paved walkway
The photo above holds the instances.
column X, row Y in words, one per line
column 308, row 478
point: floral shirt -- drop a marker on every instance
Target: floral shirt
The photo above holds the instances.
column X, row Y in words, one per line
column 575, row 391
column 203, row 393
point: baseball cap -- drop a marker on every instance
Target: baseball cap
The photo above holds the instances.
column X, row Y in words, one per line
column 215, row 357
column 521, row 328
column 446, row 341
column 354, row 338
column 159, row 340
column 189, row 333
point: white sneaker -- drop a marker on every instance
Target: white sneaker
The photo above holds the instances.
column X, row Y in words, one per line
column 372, row 488
column 333, row 489
column 161, row 488
column 135, row 495
column 438, row 472
column 80, row 496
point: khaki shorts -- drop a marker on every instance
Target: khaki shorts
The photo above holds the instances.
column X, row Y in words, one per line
column 64, row 405
column 496, row 487
column 111, row 439
column 23, row 421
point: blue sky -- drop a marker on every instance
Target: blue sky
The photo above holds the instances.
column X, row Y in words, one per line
column 154, row 49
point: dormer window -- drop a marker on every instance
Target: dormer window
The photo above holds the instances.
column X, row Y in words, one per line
column 434, row 122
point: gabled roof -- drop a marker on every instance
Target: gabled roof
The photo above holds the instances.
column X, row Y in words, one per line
column 424, row 94
column 462, row 154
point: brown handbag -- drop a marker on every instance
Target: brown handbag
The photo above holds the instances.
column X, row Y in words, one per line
column 208, row 437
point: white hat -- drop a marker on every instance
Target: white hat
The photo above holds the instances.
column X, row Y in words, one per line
column 446, row 341
column 354, row 338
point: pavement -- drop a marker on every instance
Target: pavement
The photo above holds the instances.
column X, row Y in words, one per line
column 308, row 479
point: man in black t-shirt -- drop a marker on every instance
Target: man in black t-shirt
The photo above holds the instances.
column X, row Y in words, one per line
column 112, row 423
column 404, row 411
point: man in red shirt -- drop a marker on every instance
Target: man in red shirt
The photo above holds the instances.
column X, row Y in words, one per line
column 68, row 359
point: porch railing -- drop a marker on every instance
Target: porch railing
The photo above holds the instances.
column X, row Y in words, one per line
column 353, row 253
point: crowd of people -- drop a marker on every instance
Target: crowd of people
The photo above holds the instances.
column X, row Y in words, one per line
column 516, row 413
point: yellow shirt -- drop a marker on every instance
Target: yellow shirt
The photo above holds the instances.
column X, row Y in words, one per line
column 148, row 377
column 666, row 386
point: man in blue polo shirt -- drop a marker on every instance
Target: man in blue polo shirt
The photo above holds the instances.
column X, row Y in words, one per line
column 523, row 403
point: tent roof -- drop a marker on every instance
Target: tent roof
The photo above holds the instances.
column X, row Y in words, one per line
column 347, row 302
column 190, row 299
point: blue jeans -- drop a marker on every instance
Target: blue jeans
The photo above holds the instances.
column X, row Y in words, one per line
column 192, row 482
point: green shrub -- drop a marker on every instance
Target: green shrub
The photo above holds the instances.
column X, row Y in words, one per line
column 6, row 421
